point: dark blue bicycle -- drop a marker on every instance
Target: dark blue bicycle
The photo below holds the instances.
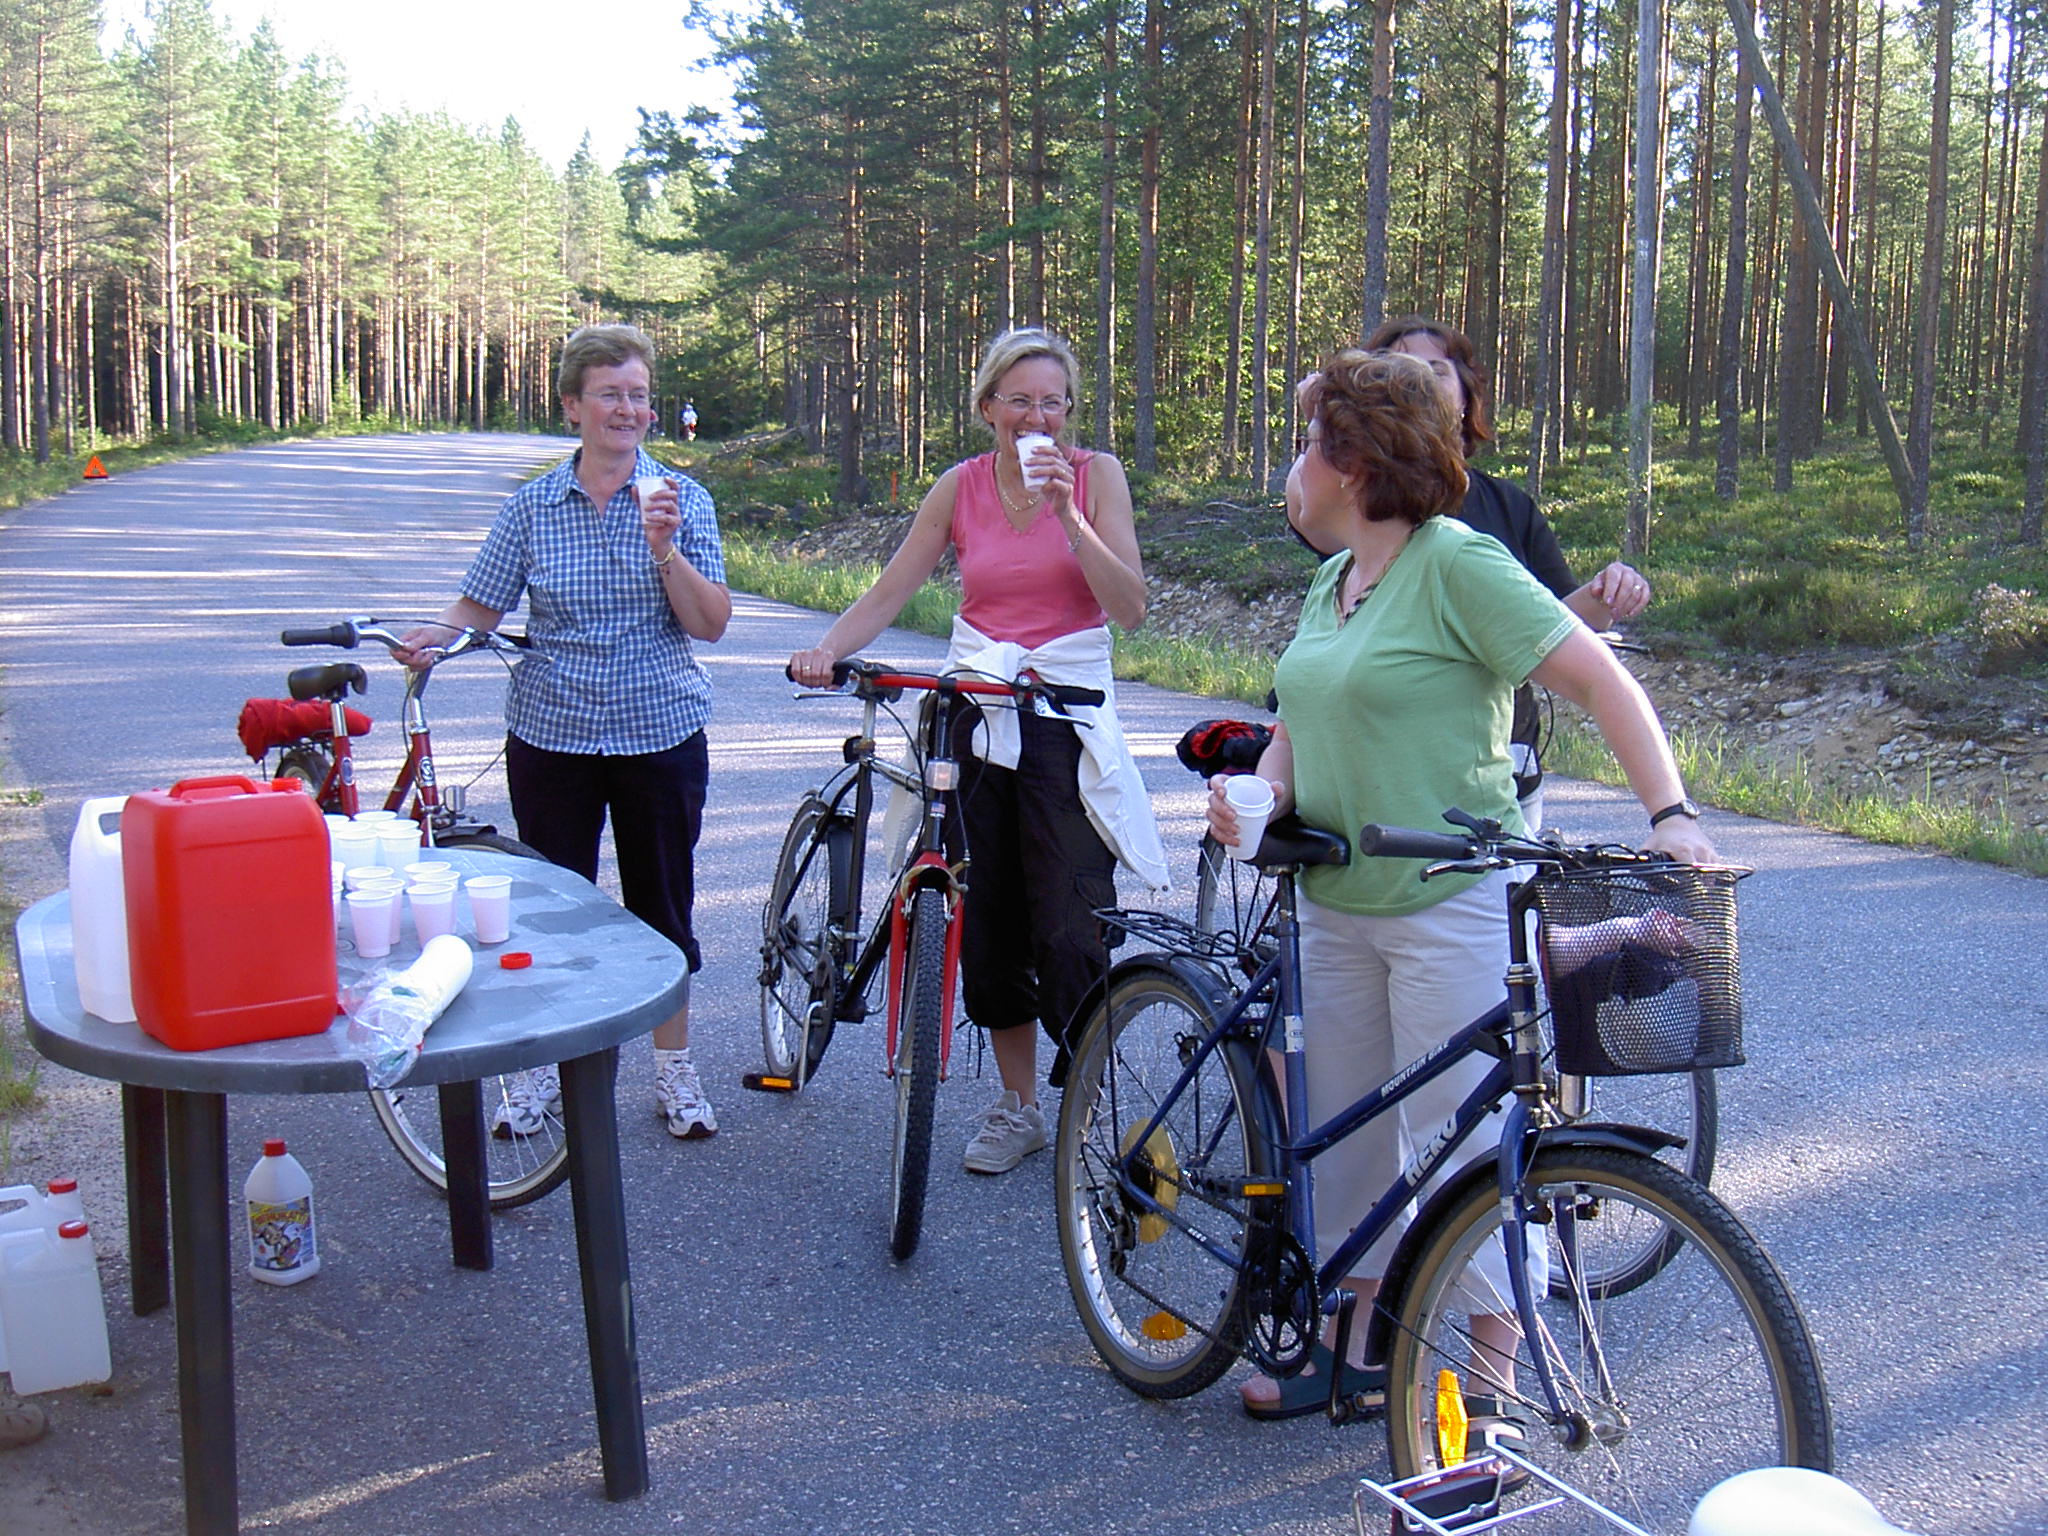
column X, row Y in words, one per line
column 1184, row 1174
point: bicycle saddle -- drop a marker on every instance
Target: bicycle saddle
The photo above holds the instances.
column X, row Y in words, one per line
column 1290, row 840
column 329, row 680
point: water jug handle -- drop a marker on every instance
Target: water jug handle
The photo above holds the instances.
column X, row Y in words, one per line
column 214, row 787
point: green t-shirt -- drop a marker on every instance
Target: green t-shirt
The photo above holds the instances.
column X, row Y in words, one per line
column 1402, row 711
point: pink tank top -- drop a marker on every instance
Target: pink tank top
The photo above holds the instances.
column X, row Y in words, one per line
column 1023, row 587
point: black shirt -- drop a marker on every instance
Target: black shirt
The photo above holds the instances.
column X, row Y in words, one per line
column 1505, row 511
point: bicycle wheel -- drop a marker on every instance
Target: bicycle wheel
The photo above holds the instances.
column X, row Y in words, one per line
column 1686, row 1104
column 1669, row 1389
column 518, row 1169
column 917, row 1067
column 1160, row 1295
column 796, row 955
column 1215, row 891
column 310, row 765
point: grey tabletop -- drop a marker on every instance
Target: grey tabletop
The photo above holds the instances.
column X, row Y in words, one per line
column 599, row 977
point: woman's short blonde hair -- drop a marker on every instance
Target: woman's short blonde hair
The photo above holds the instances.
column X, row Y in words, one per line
column 601, row 346
column 1380, row 416
column 1021, row 346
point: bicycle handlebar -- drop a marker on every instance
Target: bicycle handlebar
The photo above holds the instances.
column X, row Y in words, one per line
column 1483, row 845
column 347, row 634
column 857, row 676
column 1380, row 842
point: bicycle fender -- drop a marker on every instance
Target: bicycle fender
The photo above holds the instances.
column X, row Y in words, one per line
column 1485, row 1171
column 1198, row 976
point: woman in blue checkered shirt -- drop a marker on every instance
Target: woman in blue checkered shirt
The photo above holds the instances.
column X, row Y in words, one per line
column 606, row 713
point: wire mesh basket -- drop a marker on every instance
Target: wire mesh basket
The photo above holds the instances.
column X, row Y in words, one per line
column 1641, row 967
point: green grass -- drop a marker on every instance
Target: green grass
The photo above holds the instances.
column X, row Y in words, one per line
column 1909, row 817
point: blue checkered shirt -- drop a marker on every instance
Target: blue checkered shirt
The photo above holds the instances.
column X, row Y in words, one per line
column 611, row 670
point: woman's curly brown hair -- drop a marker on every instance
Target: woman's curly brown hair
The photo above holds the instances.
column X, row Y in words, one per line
column 1477, row 426
column 1380, row 416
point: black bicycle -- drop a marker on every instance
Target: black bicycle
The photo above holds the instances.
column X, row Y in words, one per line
column 819, row 960
column 1184, row 1176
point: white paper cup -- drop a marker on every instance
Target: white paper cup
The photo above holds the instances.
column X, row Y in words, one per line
column 336, row 826
column 490, row 903
column 1029, row 443
column 433, row 909
column 398, row 844
column 375, row 818
column 353, row 845
column 428, row 869
column 1252, row 798
column 646, row 487
column 358, row 876
column 369, row 912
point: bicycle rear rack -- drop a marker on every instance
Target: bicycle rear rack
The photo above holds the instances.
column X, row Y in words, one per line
column 1466, row 1499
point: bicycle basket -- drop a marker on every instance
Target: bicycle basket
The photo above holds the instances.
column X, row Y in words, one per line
column 1641, row 969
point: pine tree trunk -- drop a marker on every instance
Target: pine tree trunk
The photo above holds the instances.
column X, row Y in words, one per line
column 1728, row 365
column 1379, row 128
column 1144, row 313
column 1920, row 431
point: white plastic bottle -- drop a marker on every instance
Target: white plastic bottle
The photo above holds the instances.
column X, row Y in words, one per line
column 24, row 1210
column 52, row 1311
column 61, row 1203
column 99, row 911
column 279, row 1200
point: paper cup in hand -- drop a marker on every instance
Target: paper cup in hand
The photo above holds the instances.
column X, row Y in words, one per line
column 490, row 902
column 1029, row 443
column 1251, row 797
column 647, row 487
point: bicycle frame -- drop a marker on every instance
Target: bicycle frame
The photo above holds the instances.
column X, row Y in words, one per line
column 1507, row 1031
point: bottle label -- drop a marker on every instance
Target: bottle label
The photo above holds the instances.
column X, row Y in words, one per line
column 281, row 1234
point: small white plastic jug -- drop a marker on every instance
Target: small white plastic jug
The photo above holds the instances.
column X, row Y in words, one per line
column 99, row 911
column 23, row 1213
column 52, row 1312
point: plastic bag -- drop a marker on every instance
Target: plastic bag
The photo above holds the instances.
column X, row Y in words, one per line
column 389, row 1014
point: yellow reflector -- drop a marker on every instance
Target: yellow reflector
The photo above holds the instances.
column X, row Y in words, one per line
column 1163, row 1185
column 1453, row 1424
column 777, row 1082
column 1252, row 1190
column 1163, row 1326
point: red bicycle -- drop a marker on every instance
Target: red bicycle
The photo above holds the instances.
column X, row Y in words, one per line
column 312, row 734
column 817, row 966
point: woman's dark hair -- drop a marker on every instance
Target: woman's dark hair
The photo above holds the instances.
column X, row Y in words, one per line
column 1380, row 416
column 1477, row 427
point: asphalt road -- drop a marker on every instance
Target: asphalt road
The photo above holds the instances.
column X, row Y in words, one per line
column 795, row 1380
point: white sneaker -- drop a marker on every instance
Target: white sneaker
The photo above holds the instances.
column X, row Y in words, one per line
column 534, row 1100
column 1010, row 1132
column 679, row 1099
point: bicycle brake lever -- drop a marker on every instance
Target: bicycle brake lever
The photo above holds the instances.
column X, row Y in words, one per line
column 1466, row 867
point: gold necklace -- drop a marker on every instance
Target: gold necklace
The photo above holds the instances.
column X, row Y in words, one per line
column 1030, row 501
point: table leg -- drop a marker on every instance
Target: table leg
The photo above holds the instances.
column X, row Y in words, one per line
column 149, row 1238
column 599, row 1198
column 198, row 1132
column 462, row 1154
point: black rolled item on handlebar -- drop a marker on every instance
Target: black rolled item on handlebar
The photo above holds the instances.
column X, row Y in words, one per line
column 1380, row 842
column 1062, row 693
column 343, row 635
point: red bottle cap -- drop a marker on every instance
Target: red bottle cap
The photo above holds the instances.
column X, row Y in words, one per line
column 515, row 960
column 62, row 1186
column 274, row 1147
column 72, row 1229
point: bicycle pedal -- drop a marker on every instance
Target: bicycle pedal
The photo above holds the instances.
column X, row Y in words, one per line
column 761, row 1082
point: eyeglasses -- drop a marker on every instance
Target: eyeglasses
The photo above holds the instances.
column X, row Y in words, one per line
column 1051, row 405
column 612, row 399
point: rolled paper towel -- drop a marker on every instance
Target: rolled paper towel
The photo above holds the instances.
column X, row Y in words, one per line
column 387, row 1024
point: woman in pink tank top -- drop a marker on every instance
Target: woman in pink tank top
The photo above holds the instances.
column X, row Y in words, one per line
column 1047, row 549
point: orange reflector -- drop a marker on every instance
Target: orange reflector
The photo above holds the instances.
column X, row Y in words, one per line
column 1274, row 1188
column 94, row 469
column 1164, row 1327
column 766, row 1084
column 1453, row 1423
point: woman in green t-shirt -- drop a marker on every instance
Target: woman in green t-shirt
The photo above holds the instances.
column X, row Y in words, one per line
column 1395, row 704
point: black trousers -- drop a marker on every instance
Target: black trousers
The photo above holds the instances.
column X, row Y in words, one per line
column 656, row 804
column 1031, row 945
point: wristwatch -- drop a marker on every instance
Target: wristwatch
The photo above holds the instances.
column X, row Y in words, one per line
column 1686, row 807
